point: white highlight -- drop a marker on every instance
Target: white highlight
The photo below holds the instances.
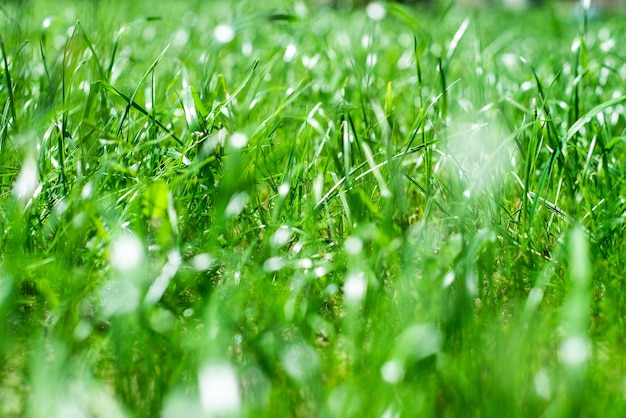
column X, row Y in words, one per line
column 355, row 287
column 246, row 49
column 574, row 351
column 448, row 279
column 283, row 189
column 318, row 187
column 273, row 264
column 304, row 263
column 541, row 382
column 202, row 262
column 310, row 62
column 371, row 60
column 238, row 140
column 159, row 286
column 353, row 245
column 320, row 271
column 392, row 371
column 280, row 237
column 366, row 41
column 219, row 390
column 87, row 191
column 126, row 253
column 236, row 204
column 224, row 33
column 290, row 53
column 26, row 183
column 376, row 11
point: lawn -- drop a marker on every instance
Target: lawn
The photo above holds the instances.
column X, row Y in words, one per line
column 242, row 208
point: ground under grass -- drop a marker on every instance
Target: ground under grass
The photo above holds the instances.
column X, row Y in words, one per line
column 272, row 209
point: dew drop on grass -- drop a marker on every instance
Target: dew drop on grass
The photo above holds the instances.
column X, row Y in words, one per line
column 448, row 279
column 224, row 33
column 376, row 11
column 238, row 140
column 366, row 41
column 26, row 183
column 283, row 189
column 371, row 60
column 320, row 271
column 273, row 264
column 392, row 371
column 219, row 390
column 574, row 351
column 600, row 115
column 310, row 62
column 390, row 412
column 126, row 253
column 297, row 247
column 161, row 282
column 290, row 53
column 353, row 245
column 246, row 49
column 236, row 204
column 527, row 85
column 202, row 262
column 87, row 191
column 406, row 60
column 280, row 237
column 318, row 187
column 541, row 382
column 304, row 263
column 355, row 287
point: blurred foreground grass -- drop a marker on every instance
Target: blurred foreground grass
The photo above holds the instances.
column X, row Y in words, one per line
column 224, row 209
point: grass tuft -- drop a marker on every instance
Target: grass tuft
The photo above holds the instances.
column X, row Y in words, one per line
column 220, row 209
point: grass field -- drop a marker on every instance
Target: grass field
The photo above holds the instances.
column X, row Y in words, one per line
column 267, row 209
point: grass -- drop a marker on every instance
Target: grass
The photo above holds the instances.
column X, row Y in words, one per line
column 310, row 212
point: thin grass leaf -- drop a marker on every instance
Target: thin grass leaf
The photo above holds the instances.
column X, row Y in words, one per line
column 141, row 109
column 9, row 81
